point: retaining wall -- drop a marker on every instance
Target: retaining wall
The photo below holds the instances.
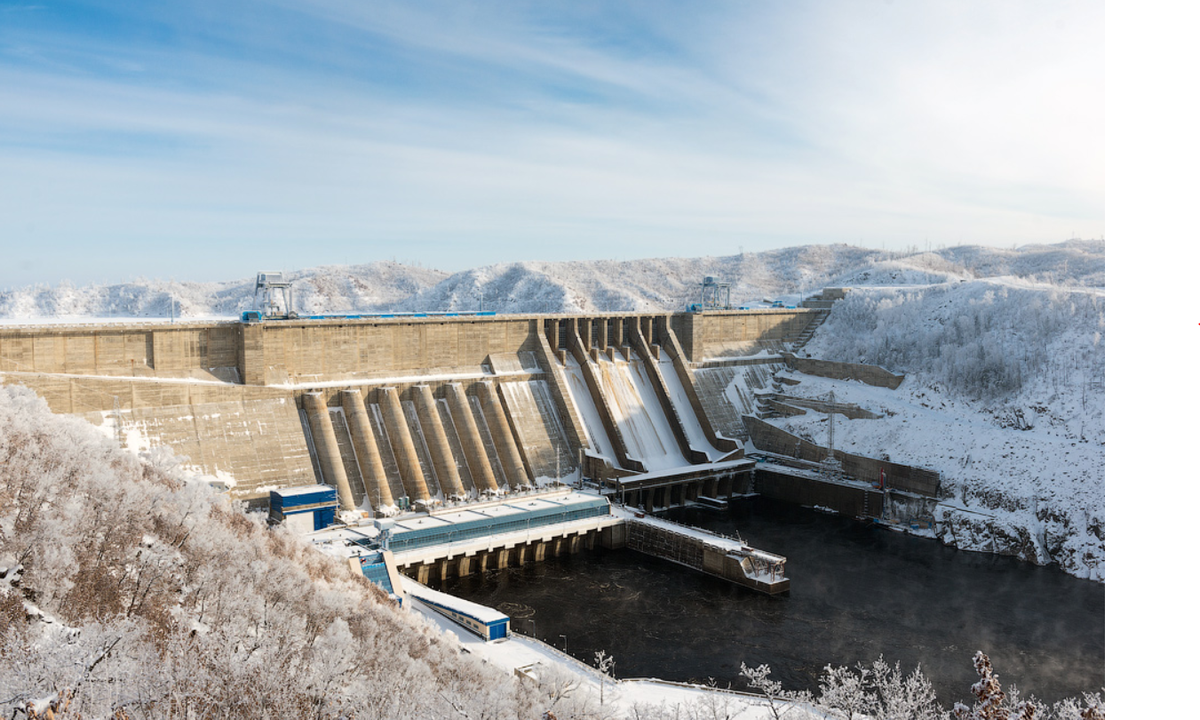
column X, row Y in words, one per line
column 768, row 438
column 869, row 374
column 842, row 499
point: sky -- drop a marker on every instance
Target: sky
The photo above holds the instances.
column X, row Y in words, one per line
column 208, row 140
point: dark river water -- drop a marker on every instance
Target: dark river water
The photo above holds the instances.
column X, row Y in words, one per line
column 858, row 591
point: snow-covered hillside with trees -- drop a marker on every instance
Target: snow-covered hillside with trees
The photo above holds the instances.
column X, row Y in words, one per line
column 374, row 286
column 1004, row 359
column 1018, row 437
column 649, row 285
column 126, row 588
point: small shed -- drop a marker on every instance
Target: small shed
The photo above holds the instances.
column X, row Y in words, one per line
column 485, row 622
column 305, row 509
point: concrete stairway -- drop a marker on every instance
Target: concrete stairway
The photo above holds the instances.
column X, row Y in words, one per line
column 822, row 303
column 807, row 333
column 822, row 307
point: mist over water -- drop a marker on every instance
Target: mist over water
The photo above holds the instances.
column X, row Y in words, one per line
column 858, row 591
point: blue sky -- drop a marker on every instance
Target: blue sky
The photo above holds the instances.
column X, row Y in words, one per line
column 207, row 140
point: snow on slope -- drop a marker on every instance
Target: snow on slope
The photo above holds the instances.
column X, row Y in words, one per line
column 374, row 287
column 1003, row 395
column 648, row 285
column 1075, row 263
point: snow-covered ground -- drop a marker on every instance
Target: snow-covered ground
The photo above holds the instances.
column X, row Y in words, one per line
column 1000, row 479
column 1003, row 395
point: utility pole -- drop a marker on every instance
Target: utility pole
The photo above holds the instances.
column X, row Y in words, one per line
column 829, row 457
column 831, row 468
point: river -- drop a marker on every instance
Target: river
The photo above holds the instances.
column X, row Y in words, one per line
column 858, row 591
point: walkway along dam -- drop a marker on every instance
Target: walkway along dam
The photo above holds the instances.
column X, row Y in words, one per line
column 445, row 413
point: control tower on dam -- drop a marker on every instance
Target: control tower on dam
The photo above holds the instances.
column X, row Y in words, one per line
column 407, row 412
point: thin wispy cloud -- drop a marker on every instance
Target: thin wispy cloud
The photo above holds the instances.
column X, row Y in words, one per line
column 207, row 141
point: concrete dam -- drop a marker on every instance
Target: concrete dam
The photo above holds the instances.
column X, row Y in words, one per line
column 428, row 413
column 430, row 410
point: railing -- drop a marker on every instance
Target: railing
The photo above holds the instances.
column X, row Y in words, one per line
column 400, row 543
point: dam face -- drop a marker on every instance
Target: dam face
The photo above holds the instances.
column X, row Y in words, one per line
column 402, row 411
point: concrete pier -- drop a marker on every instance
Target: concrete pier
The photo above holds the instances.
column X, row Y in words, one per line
column 502, row 436
column 366, row 449
column 403, row 448
column 709, row 553
column 472, row 443
column 328, row 455
column 439, row 446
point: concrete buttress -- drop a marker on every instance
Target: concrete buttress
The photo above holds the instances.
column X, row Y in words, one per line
column 328, row 455
column 439, row 445
column 472, row 442
column 502, row 436
column 403, row 448
column 367, row 449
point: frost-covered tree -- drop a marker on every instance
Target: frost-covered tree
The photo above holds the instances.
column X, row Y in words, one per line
column 978, row 339
column 781, row 703
column 568, row 697
column 846, row 690
column 993, row 703
column 604, row 663
column 899, row 696
column 1088, row 707
column 713, row 706
column 990, row 699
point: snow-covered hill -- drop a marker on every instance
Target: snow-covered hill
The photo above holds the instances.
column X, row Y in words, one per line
column 372, row 287
column 1003, row 395
column 651, row 285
